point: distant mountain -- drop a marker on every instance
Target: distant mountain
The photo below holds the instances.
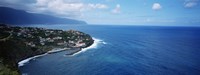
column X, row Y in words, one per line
column 13, row 16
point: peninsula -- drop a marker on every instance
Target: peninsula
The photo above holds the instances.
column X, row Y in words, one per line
column 19, row 43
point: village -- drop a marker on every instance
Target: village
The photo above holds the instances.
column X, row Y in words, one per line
column 34, row 37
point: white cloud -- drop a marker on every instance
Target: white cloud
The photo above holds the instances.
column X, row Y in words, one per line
column 66, row 7
column 41, row 2
column 190, row 3
column 156, row 6
column 97, row 6
column 117, row 9
column 61, row 8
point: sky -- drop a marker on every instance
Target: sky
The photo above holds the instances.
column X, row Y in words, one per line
column 116, row 12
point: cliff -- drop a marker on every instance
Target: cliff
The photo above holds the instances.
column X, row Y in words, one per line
column 14, row 16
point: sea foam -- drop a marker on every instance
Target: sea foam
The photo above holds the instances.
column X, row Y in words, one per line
column 94, row 45
column 23, row 62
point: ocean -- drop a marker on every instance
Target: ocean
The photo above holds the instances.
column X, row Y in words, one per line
column 125, row 50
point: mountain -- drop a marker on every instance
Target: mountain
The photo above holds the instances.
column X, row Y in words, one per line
column 14, row 16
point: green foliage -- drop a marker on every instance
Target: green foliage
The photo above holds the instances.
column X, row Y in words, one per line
column 3, row 34
column 7, row 71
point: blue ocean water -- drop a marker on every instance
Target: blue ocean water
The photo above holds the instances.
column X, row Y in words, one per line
column 129, row 50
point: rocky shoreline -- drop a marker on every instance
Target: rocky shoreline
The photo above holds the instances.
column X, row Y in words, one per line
column 19, row 43
column 69, row 51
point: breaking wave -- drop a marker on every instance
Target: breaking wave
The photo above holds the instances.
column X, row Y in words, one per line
column 93, row 46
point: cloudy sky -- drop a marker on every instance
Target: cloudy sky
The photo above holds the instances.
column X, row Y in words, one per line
column 126, row 12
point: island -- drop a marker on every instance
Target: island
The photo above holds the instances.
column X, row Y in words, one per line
column 19, row 43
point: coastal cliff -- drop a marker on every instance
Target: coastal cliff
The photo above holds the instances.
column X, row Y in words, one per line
column 18, row 17
column 19, row 43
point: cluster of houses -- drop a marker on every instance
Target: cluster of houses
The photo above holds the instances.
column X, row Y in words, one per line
column 41, row 36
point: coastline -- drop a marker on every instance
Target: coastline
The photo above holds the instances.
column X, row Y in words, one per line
column 94, row 45
column 34, row 42
column 55, row 50
column 73, row 52
column 23, row 62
